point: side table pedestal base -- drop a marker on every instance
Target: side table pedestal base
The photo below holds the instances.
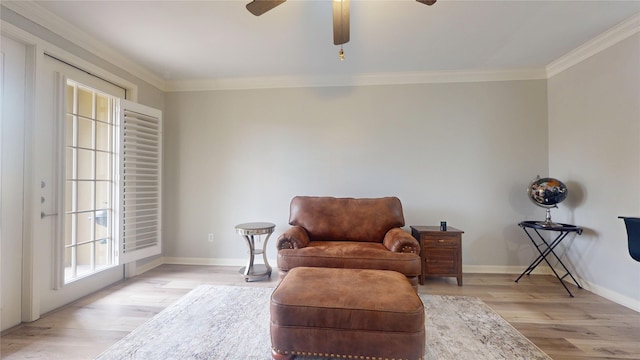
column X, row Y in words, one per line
column 249, row 231
column 257, row 272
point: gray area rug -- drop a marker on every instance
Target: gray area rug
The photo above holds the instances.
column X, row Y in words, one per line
column 232, row 323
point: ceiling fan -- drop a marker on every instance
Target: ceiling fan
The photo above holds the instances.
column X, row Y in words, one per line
column 340, row 15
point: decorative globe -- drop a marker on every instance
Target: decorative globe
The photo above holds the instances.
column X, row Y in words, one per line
column 547, row 193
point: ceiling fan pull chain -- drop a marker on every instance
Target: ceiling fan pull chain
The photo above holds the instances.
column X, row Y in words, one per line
column 342, row 26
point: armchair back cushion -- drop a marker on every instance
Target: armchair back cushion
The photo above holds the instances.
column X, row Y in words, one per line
column 346, row 219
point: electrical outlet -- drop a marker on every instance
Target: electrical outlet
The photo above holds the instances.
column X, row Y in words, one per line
column 210, row 238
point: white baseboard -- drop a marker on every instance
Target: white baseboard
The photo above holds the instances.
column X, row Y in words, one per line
column 633, row 304
column 499, row 269
column 193, row 261
column 148, row 266
column 210, row 261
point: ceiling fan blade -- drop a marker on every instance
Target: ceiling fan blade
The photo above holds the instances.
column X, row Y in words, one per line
column 427, row 2
column 340, row 22
column 259, row 7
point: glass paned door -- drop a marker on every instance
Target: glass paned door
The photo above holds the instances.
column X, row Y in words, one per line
column 89, row 181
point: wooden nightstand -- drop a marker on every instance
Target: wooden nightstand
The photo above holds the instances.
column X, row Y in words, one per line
column 440, row 251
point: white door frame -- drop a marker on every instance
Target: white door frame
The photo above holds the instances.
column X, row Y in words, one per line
column 12, row 160
column 29, row 287
column 33, row 282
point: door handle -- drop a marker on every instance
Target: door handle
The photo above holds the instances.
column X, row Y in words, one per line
column 44, row 215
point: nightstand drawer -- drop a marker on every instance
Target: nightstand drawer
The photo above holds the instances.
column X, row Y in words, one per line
column 441, row 268
column 440, row 240
column 439, row 254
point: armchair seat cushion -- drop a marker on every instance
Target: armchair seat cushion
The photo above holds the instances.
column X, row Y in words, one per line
column 349, row 255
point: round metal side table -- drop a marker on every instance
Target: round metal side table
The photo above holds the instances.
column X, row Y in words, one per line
column 249, row 231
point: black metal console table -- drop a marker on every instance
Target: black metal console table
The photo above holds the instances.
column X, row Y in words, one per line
column 546, row 247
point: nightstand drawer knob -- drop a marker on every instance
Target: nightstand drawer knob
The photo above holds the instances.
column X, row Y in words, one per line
column 441, row 240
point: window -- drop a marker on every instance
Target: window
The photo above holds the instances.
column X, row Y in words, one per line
column 90, row 174
column 112, row 181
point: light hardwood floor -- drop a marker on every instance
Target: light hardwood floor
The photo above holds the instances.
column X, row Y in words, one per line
column 584, row 327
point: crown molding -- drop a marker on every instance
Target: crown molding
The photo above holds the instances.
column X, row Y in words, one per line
column 357, row 80
column 592, row 47
column 59, row 26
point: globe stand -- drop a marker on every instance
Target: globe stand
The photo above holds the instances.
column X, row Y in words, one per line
column 547, row 221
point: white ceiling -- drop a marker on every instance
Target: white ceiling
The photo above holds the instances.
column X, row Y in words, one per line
column 205, row 40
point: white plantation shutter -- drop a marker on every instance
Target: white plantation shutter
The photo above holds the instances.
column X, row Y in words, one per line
column 140, row 181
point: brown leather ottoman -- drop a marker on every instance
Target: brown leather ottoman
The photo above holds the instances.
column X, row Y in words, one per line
column 347, row 314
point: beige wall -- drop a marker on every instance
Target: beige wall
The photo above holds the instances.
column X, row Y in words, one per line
column 462, row 152
column 594, row 145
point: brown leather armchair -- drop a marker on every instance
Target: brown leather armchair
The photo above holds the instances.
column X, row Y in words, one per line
column 348, row 233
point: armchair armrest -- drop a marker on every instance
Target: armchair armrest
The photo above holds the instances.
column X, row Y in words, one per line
column 295, row 237
column 398, row 240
